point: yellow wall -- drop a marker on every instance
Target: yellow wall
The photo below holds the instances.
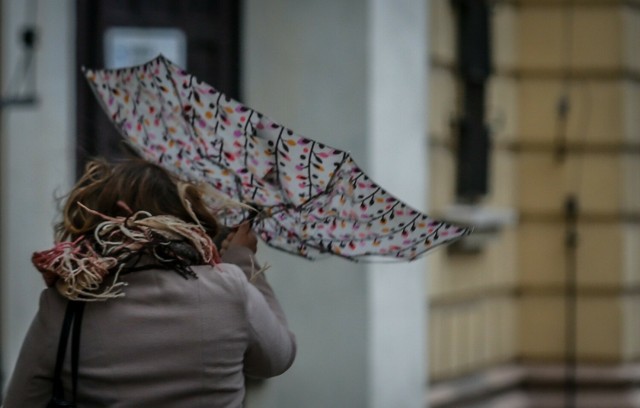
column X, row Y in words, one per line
column 508, row 302
column 589, row 52
column 472, row 297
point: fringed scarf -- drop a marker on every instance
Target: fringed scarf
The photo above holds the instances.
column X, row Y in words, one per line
column 79, row 268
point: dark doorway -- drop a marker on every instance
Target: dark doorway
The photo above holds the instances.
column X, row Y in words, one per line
column 210, row 28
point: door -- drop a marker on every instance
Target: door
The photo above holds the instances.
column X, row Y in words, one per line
column 209, row 29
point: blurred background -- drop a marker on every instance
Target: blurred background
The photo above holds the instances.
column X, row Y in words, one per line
column 521, row 117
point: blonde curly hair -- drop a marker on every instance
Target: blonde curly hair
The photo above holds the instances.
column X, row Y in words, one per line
column 124, row 188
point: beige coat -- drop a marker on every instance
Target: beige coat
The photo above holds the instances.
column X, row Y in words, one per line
column 170, row 342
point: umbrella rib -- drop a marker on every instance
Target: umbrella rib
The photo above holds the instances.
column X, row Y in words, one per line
column 255, row 189
column 415, row 241
column 385, row 213
column 345, row 156
column 277, row 158
column 161, row 113
column 246, row 143
column 371, row 195
column 218, row 116
column 354, row 180
column 136, row 104
column 177, row 93
column 435, row 232
column 217, row 106
column 195, row 134
column 313, row 145
column 391, row 232
column 313, row 197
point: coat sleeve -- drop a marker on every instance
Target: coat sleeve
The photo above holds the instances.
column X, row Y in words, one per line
column 31, row 383
column 272, row 347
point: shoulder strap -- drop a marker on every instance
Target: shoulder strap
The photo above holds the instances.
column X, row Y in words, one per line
column 75, row 346
column 73, row 312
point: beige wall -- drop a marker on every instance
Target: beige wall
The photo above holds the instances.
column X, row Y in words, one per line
column 508, row 301
column 472, row 296
column 590, row 53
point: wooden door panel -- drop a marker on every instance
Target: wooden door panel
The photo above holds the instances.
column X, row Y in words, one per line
column 212, row 29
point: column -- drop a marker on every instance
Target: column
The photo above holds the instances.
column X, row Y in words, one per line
column 350, row 74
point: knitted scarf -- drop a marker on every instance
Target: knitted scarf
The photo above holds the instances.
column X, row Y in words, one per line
column 79, row 268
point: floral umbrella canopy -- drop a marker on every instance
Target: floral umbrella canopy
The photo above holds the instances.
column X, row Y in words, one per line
column 312, row 199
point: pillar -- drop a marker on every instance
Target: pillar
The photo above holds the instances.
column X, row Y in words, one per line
column 351, row 74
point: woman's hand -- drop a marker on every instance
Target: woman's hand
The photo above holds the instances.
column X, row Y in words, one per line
column 242, row 236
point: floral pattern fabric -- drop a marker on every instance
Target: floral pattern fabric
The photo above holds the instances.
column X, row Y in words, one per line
column 313, row 198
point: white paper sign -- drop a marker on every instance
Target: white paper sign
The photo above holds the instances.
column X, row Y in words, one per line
column 127, row 46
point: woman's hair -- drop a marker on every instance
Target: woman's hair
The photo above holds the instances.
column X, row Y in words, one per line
column 121, row 189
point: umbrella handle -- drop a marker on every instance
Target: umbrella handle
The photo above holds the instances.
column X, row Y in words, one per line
column 224, row 231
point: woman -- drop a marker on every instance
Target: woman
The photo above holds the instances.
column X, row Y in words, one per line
column 167, row 321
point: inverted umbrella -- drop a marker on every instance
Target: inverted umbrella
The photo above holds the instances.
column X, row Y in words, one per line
column 312, row 198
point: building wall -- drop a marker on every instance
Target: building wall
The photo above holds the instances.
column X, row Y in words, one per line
column 287, row 76
column 472, row 296
column 342, row 72
column 36, row 159
column 508, row 304
column 587, row 53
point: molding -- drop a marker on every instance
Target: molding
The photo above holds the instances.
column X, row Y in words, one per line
column 481, row 385
column 472, row 298
column 539, row 385
column 547, row 147
column 521, row 73
column 599, row 148
column 570, row 74
column 584, row 217
column 594, row 375
column 570, row 3
column 582, row 291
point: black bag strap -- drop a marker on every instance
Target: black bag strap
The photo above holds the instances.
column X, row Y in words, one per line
column 72, row 320
column 75, row 347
